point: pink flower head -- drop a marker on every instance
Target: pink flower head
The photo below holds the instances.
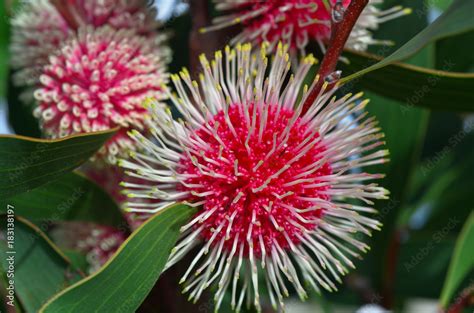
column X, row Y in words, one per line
column 296, row 22
column 39, row 29
column 100, row 246
column 276, row 188
column 98, row 81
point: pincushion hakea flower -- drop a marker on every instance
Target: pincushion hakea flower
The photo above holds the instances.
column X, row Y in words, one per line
column 273, row 183
column 38, row 30
column 296, row 22
column 98, row 81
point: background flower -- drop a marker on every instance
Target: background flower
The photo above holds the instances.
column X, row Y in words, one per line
column 99, row 81
column 297, row 22
column 40, row 28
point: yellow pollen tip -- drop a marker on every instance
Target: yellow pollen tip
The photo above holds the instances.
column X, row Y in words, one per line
column 147, row 103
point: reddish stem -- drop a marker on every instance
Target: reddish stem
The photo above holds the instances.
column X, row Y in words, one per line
column 340, row 32
column 63, row 9
column 199, row 42
column 465, row 300
column 390, row 273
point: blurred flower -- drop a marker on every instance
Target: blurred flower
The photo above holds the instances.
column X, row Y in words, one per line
column 372, row 308
column 100, row 245
column 98, row 81
column 40, row 28
column 97, row 242
column 274, row 185
column 296, row 22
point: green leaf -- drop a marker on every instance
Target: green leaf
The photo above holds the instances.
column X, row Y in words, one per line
column 40, row 269
column 126, row 279
column 72, row 197
column 441, row 4
column 78, row 259
column 462, row 262
column 415, row 85
column 456, row 20
column 27, row 163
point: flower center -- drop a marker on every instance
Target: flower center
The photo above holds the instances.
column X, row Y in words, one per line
column 256, row 170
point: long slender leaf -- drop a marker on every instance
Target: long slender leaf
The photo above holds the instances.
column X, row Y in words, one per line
column 415, row 85
column 456, row 20
column 462, row 262
column 34, row 265
column 27, row 163
column 125, row 280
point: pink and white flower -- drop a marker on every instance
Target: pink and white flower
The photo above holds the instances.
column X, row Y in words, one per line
column 297, row 22
column 39, row 29
column 100, row 246
column 276, row 187
column 98, row 81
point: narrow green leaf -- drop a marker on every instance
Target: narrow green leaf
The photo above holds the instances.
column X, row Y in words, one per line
column 126, row 279
column 457, row 19
column 27, row 163
column 39, row 269
column 441, row 4
column 462, row 262
column 415, row 85
column 72, row 197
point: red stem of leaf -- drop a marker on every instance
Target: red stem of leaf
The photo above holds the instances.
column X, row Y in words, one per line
column 199, row 42
column 391, row 269
column 339, row 35
column 63, row 9
column 465, row 300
